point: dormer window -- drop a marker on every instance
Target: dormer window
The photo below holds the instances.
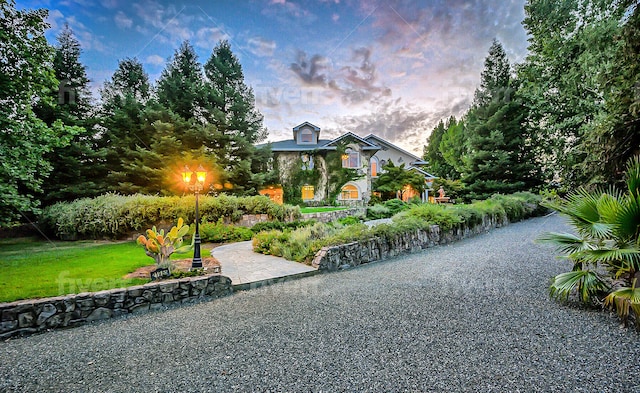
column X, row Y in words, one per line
column 306, row 136
column 351, row 159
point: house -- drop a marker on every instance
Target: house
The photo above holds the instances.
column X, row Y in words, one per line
column 317, row 170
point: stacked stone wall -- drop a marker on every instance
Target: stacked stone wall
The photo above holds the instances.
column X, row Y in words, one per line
column 32, row 316
column 335, row 214
column 357, row 253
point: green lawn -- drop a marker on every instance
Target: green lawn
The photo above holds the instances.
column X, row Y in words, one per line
column 32, row 268
column 320, row 209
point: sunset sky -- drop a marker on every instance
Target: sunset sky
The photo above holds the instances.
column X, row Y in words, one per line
column 389, row 67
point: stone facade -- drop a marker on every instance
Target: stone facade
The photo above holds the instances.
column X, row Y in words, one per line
column 356, row 253
column 31, row 316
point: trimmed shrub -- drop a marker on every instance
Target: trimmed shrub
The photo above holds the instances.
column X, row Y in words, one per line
column 222, row 233
column 430, row 214
column 376, row 212
column 349, row 220
column 113, row 215
column 279, row 225
column 395, row 205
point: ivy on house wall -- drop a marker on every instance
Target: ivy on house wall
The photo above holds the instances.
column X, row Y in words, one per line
column 296, row 176
column 327, row 175
column 337, row 175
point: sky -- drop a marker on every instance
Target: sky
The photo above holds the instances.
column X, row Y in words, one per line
column 393, row 68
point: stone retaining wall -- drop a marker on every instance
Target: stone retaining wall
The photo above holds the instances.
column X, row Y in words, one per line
column 357, row 253
column 249, row 220
column 31, row 316
column 335, row 215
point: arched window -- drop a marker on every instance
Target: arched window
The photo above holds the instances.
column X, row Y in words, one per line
column 349, row 191
column 351, row 159
column 374, row 166
column 307, row 192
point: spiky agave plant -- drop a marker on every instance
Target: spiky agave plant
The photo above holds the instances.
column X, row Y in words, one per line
column 606, row 249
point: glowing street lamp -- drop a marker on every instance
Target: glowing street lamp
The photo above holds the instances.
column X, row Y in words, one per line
column 201, row 175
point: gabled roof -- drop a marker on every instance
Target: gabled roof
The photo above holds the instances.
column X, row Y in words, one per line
column 306, row 123
column 380, row 141
column 366, row 144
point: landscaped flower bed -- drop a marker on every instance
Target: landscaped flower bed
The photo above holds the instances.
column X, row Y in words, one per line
column 302, row 244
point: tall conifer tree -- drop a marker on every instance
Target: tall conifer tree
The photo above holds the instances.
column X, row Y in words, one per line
column 124, row 99
column 499, row 158
column 230, row 106
column 75, row 167
column 180, row 85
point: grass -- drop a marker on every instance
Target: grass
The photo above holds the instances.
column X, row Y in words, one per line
column 304, row 210
column 32, row 268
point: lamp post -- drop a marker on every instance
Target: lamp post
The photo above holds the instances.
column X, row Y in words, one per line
column 198, row 185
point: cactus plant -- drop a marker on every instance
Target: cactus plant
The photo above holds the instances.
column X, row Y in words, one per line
column 159, row 246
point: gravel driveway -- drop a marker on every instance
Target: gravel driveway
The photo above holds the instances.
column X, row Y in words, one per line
column 472, row 316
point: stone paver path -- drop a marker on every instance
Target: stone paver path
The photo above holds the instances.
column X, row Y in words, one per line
column 242, row 265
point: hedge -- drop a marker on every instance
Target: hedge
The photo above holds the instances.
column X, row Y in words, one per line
column 112, row 216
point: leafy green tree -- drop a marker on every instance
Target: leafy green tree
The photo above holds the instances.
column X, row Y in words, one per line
column 26, row 79
column 573, row 43
column 180, row 87
column 392, row 182
column 432, row 153
column 616, row 138
column 453, row 147
column 605, row 251
column 499, row 159
column 230, row 107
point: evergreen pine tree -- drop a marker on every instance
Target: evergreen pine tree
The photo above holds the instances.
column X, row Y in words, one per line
column 124, row 99
column 499, row 159
column 230, row 107
column 180, row 85
column 76, row 167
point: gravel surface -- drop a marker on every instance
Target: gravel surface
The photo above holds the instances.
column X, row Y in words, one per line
column 473, row 316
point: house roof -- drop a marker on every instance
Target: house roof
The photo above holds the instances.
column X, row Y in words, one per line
column 306, row 123
column 380, row 141
column 366, row 144
column 292, row 145
column 422, row 171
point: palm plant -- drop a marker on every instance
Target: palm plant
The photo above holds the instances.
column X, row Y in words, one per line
column 605, row 251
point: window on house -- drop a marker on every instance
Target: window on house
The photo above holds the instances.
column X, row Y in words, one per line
column 349, row 191
column 307, row 162
column 351, row 159
column 306, row 136
column 307, row 192
column 374, row 166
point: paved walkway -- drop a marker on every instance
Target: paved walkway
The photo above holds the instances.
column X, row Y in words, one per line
column 243, row 266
